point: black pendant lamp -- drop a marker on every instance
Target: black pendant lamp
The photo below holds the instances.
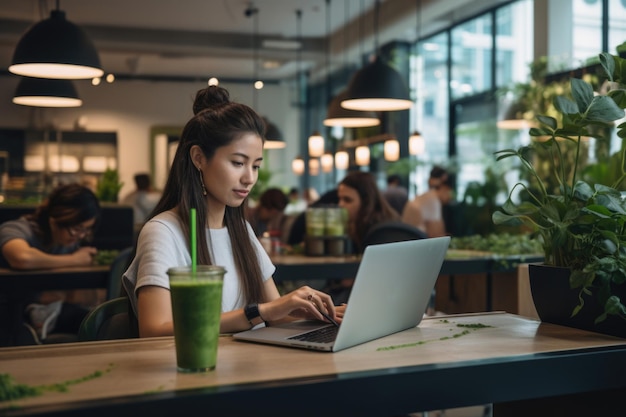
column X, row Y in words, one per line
column 340, row 116
column 43, row 92
column 377, row 86
column 273, row 137
column 56, row 48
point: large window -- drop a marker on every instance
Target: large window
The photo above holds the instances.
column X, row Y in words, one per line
column 471, row 57
column 460, row 83
column 617, row 24
column 430, row 81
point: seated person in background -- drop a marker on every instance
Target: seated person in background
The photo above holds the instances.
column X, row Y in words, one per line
column 269, row 213
column 425, row 211
column 143, row 199
column 366, row 207
column 296, row 203
column 396, row 194
column 51, row 237
column 311, row 196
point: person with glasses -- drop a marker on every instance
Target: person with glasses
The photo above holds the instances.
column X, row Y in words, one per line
column 53, row 237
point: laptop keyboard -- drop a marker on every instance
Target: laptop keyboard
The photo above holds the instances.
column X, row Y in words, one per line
column 323, row 335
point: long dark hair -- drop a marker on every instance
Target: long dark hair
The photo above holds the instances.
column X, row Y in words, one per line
column 374, row 208
column 69, row 205
column 218, row 124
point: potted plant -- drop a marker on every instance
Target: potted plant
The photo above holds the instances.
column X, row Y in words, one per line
column 109, row 186
column 582, row 227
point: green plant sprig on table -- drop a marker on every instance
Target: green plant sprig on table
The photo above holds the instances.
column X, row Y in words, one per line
column 10, row 390
column 583, row 227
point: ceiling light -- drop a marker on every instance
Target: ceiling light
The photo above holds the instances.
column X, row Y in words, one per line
column 416, row 144
column 273, row 137
column 56, row 48
column 316, row 144
column 327, row 162
column 314, row 166
column 391, row 150
column 297, row 165
column 42, row 92
column 337, row 115
column 340, row 116
column 362, row 155
column 342, row 160
column 377, row 86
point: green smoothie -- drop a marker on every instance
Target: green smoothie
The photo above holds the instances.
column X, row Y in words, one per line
column 196, row 309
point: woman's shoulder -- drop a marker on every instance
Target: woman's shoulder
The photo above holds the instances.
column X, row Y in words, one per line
column 167, row 220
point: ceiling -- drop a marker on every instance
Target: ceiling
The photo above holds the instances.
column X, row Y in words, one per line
column 195, row 39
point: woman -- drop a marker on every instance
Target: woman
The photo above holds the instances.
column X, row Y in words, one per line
column 51, row 237
column 215, row 167
column 366, row 206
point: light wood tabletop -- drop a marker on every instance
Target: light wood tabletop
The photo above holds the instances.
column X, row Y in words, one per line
column 143, row 371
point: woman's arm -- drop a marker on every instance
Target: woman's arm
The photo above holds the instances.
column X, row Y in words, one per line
column 20, row 255
column 154, row 311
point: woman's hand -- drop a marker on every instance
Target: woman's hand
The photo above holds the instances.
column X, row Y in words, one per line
column 305, row 302
column 84, row 255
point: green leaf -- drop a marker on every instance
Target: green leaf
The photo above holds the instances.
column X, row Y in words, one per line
column 608, row 63
column 603, row 109
column 583, row 191
column 501, row 218
column 565, row 105
column 582, row 93
column 619, row 97
column 548, row 121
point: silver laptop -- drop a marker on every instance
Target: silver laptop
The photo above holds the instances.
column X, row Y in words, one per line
column 390, row 293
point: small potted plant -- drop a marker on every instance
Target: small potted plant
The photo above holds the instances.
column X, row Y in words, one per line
column 582, row 227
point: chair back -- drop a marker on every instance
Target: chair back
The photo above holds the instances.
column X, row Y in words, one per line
column 395, row 231
column 113, row 319
column 118, row 267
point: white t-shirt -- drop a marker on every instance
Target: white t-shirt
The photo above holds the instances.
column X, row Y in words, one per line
column 423, row 209
column 162, row 245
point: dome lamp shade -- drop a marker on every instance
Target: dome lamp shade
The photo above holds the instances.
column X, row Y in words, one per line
column 337, row 115
column 377, row 87
column 273, row 137
column 42, row 92
column 56, row 48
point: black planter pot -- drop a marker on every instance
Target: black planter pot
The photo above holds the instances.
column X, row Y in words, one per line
column 555, row 300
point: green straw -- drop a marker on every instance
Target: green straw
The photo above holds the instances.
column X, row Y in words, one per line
column 194, row 250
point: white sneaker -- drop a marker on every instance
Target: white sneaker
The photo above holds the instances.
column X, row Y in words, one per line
column 43, row 317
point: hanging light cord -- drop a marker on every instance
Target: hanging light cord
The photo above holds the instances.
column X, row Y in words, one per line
column 376, row 17
column 298, row 54
column 253, row 12
column 329, row 87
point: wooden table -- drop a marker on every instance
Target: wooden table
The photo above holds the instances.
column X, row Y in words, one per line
column 516, row 364
column 16, row 286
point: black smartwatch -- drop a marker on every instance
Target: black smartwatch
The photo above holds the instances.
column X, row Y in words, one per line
column 252, row 314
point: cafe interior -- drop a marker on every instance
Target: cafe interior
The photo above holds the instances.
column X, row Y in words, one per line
column 446, row 77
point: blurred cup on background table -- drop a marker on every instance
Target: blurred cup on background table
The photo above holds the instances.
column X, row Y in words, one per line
column 196, row 309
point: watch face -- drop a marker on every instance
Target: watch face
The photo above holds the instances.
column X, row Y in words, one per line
column 251, row 311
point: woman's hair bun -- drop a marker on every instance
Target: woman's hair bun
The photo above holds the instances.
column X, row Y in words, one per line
column 210, row 97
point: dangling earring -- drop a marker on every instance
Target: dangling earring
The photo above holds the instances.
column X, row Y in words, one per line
column 204, row 191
